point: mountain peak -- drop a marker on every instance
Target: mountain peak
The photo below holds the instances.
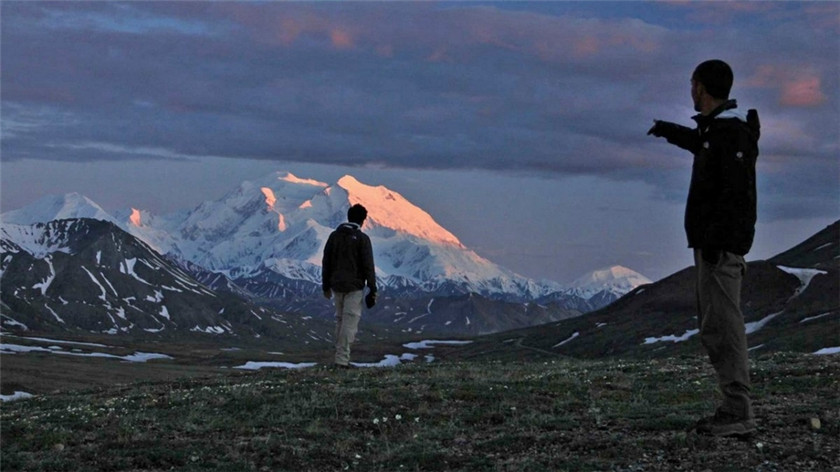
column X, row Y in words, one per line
column 136, row 217
column 614, row 276
column 389, row 209
column 57, row 207
column 292, row 178
column 348, row 181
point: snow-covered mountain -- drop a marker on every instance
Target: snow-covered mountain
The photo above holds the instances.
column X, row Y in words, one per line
column 790, row 303
column 604, row 286
column 89, row 276
column 54, row 207
column 269, row 235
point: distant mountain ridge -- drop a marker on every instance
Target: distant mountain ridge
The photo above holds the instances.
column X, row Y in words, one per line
column 262, row 244
column 87, row 275
column 271, row 231
column 790, row 302
column 53, row 207
column 609, row 283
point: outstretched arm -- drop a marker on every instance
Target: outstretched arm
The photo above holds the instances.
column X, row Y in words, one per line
column 678, row 135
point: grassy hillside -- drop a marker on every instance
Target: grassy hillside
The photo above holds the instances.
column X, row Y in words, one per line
column 560, row 414
column 659, row 320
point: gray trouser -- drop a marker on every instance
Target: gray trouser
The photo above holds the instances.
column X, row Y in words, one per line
column 348, row 311
column 722, row 328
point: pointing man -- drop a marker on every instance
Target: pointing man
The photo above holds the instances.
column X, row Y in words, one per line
column 720, row 221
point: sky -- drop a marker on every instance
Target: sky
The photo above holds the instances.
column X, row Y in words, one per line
column 519, row 126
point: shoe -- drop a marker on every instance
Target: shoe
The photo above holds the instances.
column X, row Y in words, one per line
column 723, row 424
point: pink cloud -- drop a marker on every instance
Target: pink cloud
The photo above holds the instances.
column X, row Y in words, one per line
column 455, row 32
column 284, row 24
column 763, row 77
column 288, row 31
column 587, row 46
column 797, row 87
column 341, row 39
column 802, row 92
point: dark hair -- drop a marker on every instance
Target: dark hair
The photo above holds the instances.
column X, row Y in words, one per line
column 357, row 214
column 716, row 76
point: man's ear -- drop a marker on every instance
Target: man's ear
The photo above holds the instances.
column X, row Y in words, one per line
column 699, row 89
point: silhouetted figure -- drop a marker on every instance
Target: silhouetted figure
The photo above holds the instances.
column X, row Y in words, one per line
column 347, row 267
column 720, row 221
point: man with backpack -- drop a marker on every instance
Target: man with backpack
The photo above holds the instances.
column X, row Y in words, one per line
column 347, row 267
column 720, row 221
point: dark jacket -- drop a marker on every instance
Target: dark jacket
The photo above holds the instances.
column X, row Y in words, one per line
column 721, row 210
column 348, row 261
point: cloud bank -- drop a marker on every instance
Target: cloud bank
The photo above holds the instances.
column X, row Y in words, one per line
column 555, row 89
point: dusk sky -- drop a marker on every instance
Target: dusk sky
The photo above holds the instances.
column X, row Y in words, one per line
column 520, row 127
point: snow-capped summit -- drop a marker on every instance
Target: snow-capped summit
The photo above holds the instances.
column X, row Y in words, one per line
column 57, row 207
column 275, row 228
column 615, row 279
column 280, row 224
column 391, row 210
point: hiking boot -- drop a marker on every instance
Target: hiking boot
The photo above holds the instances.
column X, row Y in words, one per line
column 723, row 424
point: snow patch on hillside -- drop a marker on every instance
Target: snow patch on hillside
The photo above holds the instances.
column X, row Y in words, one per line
column 17, row 395
column 804, row 275
column 672, row 338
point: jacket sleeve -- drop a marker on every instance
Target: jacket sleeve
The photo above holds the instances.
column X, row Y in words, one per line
column 678, row 135
column 327, row 264
column 685, row 138
column 368, row 267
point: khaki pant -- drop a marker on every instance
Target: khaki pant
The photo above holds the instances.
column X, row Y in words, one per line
column 348, row 311
column 722, row 330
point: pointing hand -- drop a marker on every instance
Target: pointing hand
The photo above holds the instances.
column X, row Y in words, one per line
column 662, row 128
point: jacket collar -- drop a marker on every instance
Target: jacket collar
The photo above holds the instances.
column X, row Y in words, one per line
column 703, row 120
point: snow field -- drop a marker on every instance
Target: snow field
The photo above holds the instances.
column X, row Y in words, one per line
column 390, row 360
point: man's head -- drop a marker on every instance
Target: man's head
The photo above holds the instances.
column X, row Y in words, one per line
column 357, row 214
column 710, row 82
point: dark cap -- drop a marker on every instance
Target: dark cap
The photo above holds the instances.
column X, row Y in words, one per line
column 716, row 76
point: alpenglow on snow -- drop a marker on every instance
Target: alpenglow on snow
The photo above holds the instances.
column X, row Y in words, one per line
column 279, row 224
